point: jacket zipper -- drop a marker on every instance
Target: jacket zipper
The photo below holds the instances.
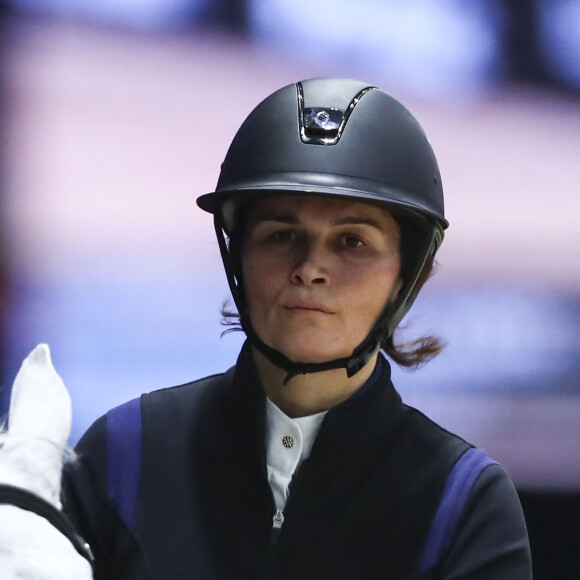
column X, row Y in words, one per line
column 277, row 522
column 278, row 517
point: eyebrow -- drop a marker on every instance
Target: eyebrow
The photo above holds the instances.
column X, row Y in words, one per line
column 355, row 221
column 275, row 217
column 291, row 219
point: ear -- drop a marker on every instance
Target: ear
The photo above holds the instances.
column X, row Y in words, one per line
column 39, row 426
column 40, row 405
column 397, row 287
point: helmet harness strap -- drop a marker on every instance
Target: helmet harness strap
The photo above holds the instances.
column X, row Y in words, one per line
column 384, row 327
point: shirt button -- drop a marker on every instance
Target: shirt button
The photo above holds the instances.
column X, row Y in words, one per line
column 288, row 441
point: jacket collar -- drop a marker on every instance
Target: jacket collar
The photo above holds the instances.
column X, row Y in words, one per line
column 349, row 429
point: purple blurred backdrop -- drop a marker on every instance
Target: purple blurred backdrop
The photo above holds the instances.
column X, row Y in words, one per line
column 112, row 131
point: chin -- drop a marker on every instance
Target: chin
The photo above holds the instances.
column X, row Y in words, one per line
column 310, row 350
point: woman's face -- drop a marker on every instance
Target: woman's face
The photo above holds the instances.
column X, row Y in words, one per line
column 318, row 272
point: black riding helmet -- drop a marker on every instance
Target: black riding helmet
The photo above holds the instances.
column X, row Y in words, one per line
column 340, row 138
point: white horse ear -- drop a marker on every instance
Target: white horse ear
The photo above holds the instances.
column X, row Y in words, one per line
column 31, row 459
column 38, row 393
column 39, row 424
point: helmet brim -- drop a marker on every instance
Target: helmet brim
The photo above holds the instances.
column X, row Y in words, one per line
column 357, row 189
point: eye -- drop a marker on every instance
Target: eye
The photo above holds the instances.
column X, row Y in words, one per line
column 351, row 241
column 282, row 236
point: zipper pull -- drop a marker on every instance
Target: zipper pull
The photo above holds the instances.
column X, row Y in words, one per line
column 277, row 522
column 278, row 519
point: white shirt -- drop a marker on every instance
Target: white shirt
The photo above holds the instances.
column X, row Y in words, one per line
column 288, row 443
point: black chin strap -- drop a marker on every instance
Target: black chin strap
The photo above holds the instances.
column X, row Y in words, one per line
column 31, row 502
column 353, row 363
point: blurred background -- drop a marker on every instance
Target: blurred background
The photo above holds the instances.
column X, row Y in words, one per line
column 115, row 115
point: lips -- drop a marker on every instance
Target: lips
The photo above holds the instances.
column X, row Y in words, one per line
column 307, row 306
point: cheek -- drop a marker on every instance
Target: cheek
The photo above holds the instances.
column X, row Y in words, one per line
column 373, row 287
column 265, row 269
column 258, row 279
column 251, row 285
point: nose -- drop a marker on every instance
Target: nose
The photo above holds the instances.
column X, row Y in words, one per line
column 311, row 266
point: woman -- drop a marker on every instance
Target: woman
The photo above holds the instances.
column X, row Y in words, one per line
column 302, row 461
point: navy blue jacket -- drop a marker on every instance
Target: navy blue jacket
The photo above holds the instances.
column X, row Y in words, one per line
column 360, row 507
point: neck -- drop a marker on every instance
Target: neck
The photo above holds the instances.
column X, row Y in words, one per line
column 309, row 393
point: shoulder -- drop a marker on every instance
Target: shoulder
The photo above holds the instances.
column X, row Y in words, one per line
column 428, row 441
column 491, row 538
column 168, row 402
column 184, row 400
column 186, row 391
column 427, row 427
column 479, row 517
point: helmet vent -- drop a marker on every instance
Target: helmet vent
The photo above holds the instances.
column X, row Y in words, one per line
column 324, row 125
column 321, row 124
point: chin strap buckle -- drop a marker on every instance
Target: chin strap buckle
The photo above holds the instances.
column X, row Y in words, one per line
column 355, row 364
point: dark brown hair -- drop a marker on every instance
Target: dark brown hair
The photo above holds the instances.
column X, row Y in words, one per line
column 416, row 352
